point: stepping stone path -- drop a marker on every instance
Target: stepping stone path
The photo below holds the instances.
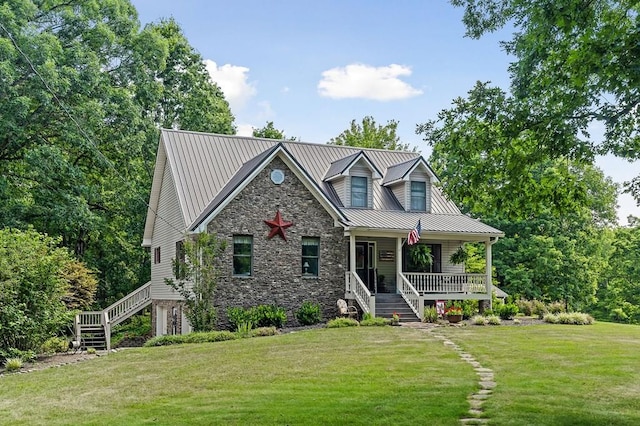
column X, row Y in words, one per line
column 486, row 380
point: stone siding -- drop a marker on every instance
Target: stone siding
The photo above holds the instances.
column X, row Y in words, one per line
column 277, row 264
column 169, row 305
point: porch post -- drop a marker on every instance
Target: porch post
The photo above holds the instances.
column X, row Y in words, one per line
column 487, row 256
column 398, row 260
column 352, row 253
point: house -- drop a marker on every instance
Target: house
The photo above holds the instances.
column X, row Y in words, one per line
column 304, row 222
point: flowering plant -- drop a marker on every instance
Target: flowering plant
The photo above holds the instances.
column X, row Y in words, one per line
column 396, row 316
column 454, row 310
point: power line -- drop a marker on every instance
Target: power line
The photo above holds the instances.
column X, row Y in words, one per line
column 84, row 134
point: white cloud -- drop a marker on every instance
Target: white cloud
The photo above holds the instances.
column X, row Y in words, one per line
column 367, row 82
column 245, row 130
column 266, row 112
column 232, row 80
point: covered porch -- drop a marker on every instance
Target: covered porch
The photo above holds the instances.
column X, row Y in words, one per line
column 378, row 264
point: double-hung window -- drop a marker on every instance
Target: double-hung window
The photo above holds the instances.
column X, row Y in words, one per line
column 359, row 194
column 310, row 256
column 418, row 196
column 242, row 255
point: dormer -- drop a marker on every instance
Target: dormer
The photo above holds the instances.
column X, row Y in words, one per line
column 411, row 182
column 352, row 178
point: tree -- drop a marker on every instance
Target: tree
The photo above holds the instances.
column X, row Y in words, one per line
column 196, row 276
column 84, row 92
column 370, row 135
column 576, row 65
column 35, row 278
column 270, row 132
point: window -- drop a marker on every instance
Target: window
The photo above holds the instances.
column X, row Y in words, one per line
column 310, row 256
column 418, row 196
column 156, row 255
column 358, row 191
column 180, row 267
column 242, row 251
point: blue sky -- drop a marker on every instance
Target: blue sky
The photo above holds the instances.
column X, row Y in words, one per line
column 313, row 66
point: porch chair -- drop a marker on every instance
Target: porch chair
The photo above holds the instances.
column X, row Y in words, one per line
column 346, row 310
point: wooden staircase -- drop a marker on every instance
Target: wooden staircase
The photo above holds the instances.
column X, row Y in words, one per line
column 93, row 328
column 388, row 303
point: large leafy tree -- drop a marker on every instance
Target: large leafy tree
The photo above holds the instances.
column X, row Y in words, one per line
column 270, row 132
column 371, row 135
column 576, row 67
column 84, row 91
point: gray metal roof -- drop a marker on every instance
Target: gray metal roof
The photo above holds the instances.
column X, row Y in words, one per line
column 339, row 166
column 207, row 167
column 398, row 171
column 444, row 223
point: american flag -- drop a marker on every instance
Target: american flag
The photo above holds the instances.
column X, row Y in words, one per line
column 414, row 234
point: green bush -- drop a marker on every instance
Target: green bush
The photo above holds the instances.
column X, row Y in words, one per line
column 268, row 316
column 200, row 337
column 478, row 320
column 367, row 315
column 493, row 320
column 488, row 312
column 538, row 308
column 469, row 308
column 556, row 307
column 263, row 331
column 618, row 315
column 54, row 345
column 91, row 351
column 136, row 326
column 244, row 329
column 342, row 322
column 430, row 314
column 13, row 364
column 575, row 318
column 550, row 318
column 508, row 311
column 375, row 322
column 525, row 306
column 309, row 313
column 25, row 356
column 238, row 315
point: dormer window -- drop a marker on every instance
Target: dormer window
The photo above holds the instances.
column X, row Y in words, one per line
column 359, row 196
column 418, row 196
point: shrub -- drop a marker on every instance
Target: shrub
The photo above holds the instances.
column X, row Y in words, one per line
column 556, row 307
column 367, row 315
column 374, row 322
column 309, row 313
column 199, row 337
column 550, row 318
column 268, row 316
column 525, row 306
column 488, row 312
column 576, row 318
column 342, row 322
column 13, row 364
column 493, row 320
column 430, row 314
column 538, row 308
column 508, row 311
column 469, row 308
column 478, row 320
column 17, row 353
column 137, row 326
column 91, row 351
column 244, row 329
column 263, row 331
column 618, row 315
column 54, row 345
column 237, row 316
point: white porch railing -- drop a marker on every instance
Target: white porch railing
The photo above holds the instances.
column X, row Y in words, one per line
column 448, row 283
column 356, row 288
column 413, row 298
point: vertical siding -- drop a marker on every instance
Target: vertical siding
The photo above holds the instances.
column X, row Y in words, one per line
column 165, row 237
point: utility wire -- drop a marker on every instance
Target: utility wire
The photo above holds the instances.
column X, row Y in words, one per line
column 92, row 144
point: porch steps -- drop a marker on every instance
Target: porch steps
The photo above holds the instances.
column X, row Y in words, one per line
column 93, row 337
column 388, row 303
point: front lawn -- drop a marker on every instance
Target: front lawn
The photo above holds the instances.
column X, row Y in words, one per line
column 559, row 374
column 364, row 375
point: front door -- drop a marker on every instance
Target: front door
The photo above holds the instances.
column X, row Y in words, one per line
column 365, row 263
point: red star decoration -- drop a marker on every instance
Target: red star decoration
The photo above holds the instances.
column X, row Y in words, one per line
column 278, row 226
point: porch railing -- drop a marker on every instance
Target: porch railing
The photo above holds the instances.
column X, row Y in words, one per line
column 356, row 288
column 413, row 298
column 129, row 305
column 448, row 283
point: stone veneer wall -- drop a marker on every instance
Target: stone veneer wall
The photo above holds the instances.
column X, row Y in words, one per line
column 277, row 264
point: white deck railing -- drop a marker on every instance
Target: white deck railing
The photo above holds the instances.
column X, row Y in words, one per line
column 129, row 305
column 448, row 283
column 359, row 291
column 413, row 298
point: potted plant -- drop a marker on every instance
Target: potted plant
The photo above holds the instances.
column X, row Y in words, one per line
column 421, row 256
column 395, row 319
column 454, row 314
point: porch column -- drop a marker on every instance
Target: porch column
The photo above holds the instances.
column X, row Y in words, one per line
column 487, row 256
column 398, row 261
column 352, row 253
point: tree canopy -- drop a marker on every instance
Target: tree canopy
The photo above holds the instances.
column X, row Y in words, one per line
column 270, row 132
column 84, row 92
column 576, row 68
column 371, row 135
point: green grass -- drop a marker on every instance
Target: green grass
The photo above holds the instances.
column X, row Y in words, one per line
column 359, row 375
column 559, row 374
